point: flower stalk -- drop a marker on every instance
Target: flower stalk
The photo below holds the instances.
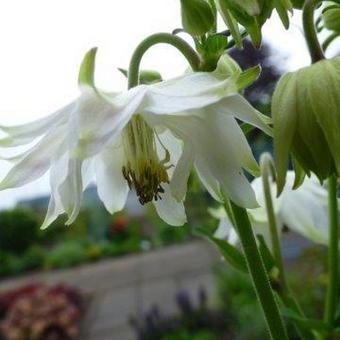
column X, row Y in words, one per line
column 258, row 275
column 333, row 253
column 160, row 38
column 314, row 47
column 267, row 171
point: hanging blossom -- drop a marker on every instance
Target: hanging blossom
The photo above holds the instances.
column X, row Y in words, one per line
column 303, row 210
column 148, row 138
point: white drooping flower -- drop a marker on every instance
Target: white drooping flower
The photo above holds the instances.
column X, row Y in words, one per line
column 148, row 138
column 303, row 210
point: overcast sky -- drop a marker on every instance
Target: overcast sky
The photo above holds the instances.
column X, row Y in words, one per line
column 44, row 41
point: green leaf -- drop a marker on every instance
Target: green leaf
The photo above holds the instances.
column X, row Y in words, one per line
column 312, row 324
column 230, row 253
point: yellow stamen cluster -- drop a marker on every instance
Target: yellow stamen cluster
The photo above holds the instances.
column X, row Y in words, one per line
column 143, row 170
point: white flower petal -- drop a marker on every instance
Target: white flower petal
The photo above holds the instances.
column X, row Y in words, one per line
column 240, row 144
column 169, row 210
column 111, row 185
column 180, row 176
column 23, row 134
column 71, row 190
column 215, row 157
column 58, row 174
column 191, row 91
column 236, row 106
column 209, row 182
column 98, row 120
column 306, row 213
column 35, row 162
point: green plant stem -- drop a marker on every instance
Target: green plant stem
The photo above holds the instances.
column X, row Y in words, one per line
column 333, row 253
column 258, row 274
column 314, row 47
column 160, row 38
column 268, row 171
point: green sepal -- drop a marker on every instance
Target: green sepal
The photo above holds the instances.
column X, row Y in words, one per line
column 300, row 174
column 146, row 77
column 248, row 77
column 282, row 8
column 86, row 71
column 231, row 22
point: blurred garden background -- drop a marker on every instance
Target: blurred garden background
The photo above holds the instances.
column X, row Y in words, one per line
column 130, row 276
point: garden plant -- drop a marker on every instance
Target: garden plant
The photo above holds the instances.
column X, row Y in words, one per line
column 150, row 137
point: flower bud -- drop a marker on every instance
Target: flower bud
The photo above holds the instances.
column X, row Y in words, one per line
column 306, row 116
column 331, row 18
column 197, row 16
column 232, row 10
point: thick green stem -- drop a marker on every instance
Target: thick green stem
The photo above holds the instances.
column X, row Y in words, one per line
column 258, row 274
column 314, row 47
column 333, row 253
column 160, row 38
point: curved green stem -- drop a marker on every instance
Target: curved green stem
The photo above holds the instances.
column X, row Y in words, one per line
column 267, row 172
column 329, row 40
column 314, row 47
column 333, row 253
column 159, row 38
column 258, row 274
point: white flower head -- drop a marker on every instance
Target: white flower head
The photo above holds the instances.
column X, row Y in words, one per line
column 303, row 210
column 148, row 138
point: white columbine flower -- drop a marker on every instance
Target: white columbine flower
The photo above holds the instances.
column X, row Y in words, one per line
column 303, row 210
column 148, row 138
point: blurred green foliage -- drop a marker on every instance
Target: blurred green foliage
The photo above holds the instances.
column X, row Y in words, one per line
column 18, row 230
column 24, row 247
column 236, row 294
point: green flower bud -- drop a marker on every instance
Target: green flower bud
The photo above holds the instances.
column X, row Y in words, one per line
column 197, row 16
column 232, row 10
column 331, row 18
column 306, row 117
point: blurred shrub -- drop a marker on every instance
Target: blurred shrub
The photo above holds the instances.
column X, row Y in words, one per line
column 18, row 230
column 65, row 255
column 41, row 313
column 32, row 258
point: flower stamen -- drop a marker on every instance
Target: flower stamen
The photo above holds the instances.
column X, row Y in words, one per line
column 143, row 170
